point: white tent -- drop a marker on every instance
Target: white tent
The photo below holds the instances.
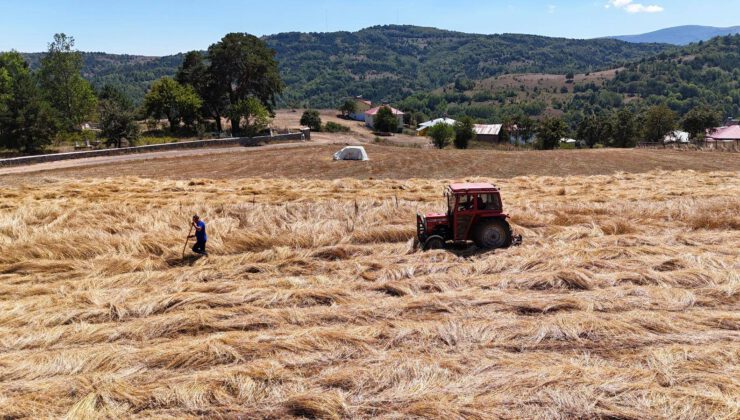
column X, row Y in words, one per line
column 351, row 153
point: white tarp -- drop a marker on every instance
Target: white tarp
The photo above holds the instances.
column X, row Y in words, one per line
column 676, row 137
column 351, row 153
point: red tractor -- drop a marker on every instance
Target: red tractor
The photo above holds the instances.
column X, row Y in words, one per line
column 474, row 212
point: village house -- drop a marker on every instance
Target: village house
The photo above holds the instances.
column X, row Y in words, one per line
column 361, row 106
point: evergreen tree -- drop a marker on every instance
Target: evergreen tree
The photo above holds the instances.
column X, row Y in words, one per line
column 26, row 119
column 464, row 132
column 62, row 84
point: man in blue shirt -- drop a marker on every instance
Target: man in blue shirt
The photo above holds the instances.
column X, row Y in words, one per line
column 200, row 236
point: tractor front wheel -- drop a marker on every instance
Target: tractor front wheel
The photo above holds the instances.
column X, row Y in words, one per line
column 494, row 233
column 434, row 242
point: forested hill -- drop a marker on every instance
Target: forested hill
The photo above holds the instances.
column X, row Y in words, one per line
column 391, row 62
column 706, row 73
column 384, row 62
column 133, row 74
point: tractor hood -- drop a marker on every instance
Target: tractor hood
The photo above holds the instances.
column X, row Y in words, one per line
column 434, row 216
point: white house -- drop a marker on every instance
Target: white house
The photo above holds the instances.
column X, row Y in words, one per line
column 371, row 113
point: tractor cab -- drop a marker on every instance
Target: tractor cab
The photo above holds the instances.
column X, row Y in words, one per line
column 474, row 212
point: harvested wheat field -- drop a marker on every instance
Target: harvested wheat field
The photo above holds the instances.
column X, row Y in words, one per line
column 622, row 302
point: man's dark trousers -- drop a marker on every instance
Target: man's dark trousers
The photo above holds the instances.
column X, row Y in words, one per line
column 200, row 247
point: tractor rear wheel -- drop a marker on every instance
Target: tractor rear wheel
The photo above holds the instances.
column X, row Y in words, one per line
column 434, row 242
column 492, row 233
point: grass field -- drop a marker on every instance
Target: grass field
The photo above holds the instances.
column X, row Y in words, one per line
column 623, row 301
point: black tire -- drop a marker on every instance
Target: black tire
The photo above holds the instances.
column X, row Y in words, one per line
column 434, row 242
column 492, row 233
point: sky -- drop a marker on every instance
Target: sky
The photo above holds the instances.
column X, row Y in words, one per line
column 162, row 27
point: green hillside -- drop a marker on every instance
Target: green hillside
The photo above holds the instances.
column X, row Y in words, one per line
column 392, row 62
column 706, row 73
column 133, row 74
column 388, row 62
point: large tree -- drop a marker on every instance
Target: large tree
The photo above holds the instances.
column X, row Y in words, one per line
column 243, row 66
column 385, row 121
column 624, row 132
column 464, row 132
column 195, row 71
column 62, row 83
column 595, row 129
column 700, row 119
column 117, row 118
column 26, row 121
column 168, row 98
column 659, row 121
column 549, row 133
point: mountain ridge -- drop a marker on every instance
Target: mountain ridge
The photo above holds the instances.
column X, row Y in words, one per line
column 679, row 35
column 383, row 62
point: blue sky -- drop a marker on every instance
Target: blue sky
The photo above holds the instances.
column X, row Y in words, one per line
column 167, row 26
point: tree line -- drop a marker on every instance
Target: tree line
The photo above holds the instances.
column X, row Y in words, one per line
column 36, row 106
column 620, row 128
column 237, row 79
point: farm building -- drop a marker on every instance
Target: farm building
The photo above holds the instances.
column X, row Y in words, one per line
column 488, row 132
column 371, row 113
column 362, row 105
column 424, row 127
column 727, row 134
column 676, row 137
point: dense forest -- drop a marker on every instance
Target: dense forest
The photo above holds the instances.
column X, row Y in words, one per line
column 392, row 62
column 383, row 62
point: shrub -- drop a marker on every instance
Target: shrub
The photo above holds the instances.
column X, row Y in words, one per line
column 311, row 119
column 332, row 127
column 441, row 135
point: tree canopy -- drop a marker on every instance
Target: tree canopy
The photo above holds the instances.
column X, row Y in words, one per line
column 464, row 132
column 70, row 95
column 243, row 66
column 385, row 121
column 311, row 119
column 178, row 103
column 26, row 119
column 441, row 135
column 549, row 133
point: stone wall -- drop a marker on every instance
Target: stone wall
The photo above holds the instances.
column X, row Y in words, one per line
column 194, row 144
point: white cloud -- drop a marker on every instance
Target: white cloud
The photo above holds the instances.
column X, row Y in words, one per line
column 551, row 9
column 631, row 7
